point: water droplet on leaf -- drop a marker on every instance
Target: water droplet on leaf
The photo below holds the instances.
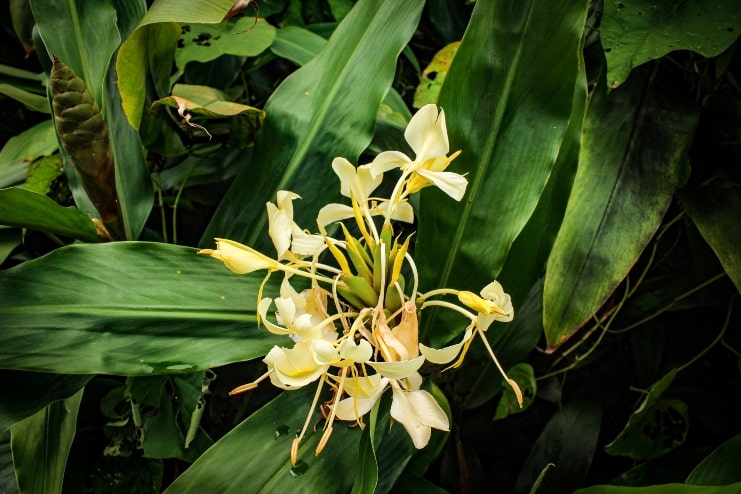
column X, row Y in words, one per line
column 299, row 468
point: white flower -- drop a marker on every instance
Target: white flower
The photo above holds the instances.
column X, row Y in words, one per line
column 289, row 239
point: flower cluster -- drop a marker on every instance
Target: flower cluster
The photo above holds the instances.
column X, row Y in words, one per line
column 355, row 328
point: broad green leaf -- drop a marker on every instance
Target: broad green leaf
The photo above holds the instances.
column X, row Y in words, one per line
column 411, row 484
column 297, row 44
column 143, row 45
column 632, row 158
column 327, row 108
column 255, row 456
column 634, row 31
column 23, row 208
column 128, row 308
column 32, row 391
column 82, row 34
column 715, row 206
column 719, row 467
column 510, row 135
column 32, row 101
column 41, row 444
column 557, row 445
column 42, row 173
column 39, row 140
column 662, row 489
column 367, row 474
column 658, row 426
column 244, row 37
column 434, row 75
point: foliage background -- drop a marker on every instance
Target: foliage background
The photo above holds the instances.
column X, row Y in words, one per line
column 601, row 143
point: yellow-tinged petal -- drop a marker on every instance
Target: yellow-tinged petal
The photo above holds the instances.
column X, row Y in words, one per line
column 240, row 258
column 427, row 134
column 332, row 213
column 418, row 411
column 262, row 309
column 364, row 392
column 398, row 370
column 446, row 354
column 294, row 367
column 451, row 183
column 388, row 160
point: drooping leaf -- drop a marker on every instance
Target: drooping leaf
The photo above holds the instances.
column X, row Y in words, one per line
column 658, row 426
column 507, row 112
column 32, row 101
column 84, row 137
column 325, row 109
column 138, row 49
column 256, row 454
column 128, row 308
column 632, row 158
column 41, row 444
column 634, row 32
column 27, row 209
column 245, row 37
column 715, row 207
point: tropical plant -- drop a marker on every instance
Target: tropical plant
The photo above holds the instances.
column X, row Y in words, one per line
column 597, row 183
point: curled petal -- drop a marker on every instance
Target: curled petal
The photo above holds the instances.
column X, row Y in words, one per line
column 356, row 352
column 388, row 160
column 357, row 182
column 446, row 354
column 332, row 213
column 451, row 183
column 418, row 411
column 398, row 370
column 364, row 391
column 403, row 211
column 304, row 244
column 293, row 368
column 262, row 309
column 427, row 134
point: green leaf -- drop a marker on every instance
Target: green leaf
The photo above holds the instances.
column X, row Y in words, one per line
column 32, row 391
column 39, row 140
column 719, row 467
column 327, row 108
column 658, row 425
column 128, row 308
column 411, row 484
column 367, row 476
column 510, row 136
column 83, row 35
column 10, row 238
column 632, row 158
column 8, row 483
column 297, row 44
column 556, row 444
column 662, row 489
column 634, row 32
column 715, row 206
column 26, row 209
column 41, row 444
column 254, row 456
column 145, row 44
column 434, row 75
column 32, row 101
column 244, row 37
column 524, row 376
column 42, row 173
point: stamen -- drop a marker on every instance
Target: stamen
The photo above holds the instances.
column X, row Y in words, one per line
column 323, row 441
column 294, row 445
column 250, row 386
column 512, row 383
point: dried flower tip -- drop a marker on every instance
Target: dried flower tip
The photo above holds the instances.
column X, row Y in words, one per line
column 294, row 450
column 517, row 390
column 243, row 388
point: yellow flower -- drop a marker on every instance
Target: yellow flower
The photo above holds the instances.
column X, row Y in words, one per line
column 240, row 258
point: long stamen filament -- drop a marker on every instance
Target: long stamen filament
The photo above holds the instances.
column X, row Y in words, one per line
column 330, row 420
column 448, row 305
column 250, row 386
column 511, row 382
column 294, row 445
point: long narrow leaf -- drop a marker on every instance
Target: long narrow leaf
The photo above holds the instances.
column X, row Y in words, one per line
column 325, row 109
column 508, row 100
column 632, row 158
column 41, row 444
column 127, row 308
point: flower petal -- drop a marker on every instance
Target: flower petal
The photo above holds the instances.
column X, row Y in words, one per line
column 239, row 258
column 388, row 160
column 332, row 213
column 398, row 370
column 417, row 411
column 262, row 309
column 451, row 183
column 427, row 134
column 446, row 354
column 293, row 367
column 364, row 391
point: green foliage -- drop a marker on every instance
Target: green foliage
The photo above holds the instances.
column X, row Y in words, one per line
column 601, row 148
